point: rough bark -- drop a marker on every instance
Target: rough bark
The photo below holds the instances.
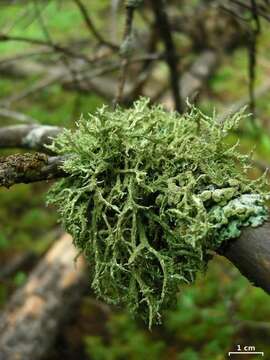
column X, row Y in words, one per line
column 27, row 168
column 250, row 253
column 32, row 318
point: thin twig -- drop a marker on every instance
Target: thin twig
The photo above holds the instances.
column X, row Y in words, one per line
column 90, row 25
column 252, row 48
column 162, row 23
column 125, row 61
column 59, row 48
column 17, row 116
column 24, row 55
column 261, row 12
column 36, row 87
column 72, row 77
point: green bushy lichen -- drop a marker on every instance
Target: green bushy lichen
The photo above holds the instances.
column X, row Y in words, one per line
column 148, row 196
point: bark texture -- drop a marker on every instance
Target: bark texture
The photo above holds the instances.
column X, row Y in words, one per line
column 30, row 322
column 27, row 168
column 250, row 253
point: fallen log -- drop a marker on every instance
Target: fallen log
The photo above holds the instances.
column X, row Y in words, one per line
column 33, row 316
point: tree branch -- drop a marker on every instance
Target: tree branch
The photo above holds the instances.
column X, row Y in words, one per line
column 125, row 61
column 34, row 137
column 250, row 253
column 91, row 26
column 56, row 47
column 163, row 25
column 17, row 116
column 27, row 168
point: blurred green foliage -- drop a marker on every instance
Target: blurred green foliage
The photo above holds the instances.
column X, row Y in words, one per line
column 206, row 323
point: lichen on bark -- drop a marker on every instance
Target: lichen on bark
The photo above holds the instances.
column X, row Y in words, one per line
column 150, row 194
column 21, row 167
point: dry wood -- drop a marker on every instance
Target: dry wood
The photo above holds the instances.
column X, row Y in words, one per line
column 32, row 318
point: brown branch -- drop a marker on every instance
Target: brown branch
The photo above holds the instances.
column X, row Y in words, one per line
column 33, row 316
column 163, row 25
column 27, row 168
column 85, row 79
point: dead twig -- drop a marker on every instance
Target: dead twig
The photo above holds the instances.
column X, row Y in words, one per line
column 93, row 30
column 125, row 52
column 163, row 25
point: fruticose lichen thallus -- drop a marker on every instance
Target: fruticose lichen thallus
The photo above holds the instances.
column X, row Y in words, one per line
column 148, row 195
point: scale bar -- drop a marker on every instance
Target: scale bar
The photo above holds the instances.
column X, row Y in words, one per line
column 246, row 352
